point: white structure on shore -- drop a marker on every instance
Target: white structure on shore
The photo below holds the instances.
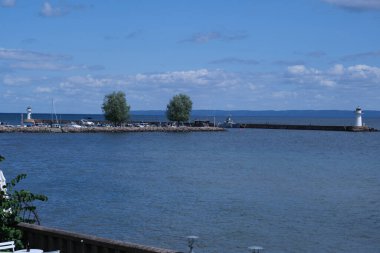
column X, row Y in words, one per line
column 358, row 114
column 29, row 121
column 29, row 112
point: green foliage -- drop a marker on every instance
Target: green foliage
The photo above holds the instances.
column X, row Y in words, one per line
column 16, row 206
column 115, row 108
column 179, row 108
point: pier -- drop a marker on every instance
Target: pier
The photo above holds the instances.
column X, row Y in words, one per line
column 311, row 127
column 64, row 129
column 153, row 128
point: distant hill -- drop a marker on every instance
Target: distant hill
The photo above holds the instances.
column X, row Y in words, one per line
column 268, row 113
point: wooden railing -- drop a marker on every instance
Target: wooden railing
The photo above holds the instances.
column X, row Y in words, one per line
column 67, row 242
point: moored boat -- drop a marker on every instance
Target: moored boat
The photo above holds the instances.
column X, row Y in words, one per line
column 229, row 123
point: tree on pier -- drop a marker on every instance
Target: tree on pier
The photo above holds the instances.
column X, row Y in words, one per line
column 179, row 108
column 115, row 108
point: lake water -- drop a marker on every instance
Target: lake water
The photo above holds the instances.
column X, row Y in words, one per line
column 288, row 191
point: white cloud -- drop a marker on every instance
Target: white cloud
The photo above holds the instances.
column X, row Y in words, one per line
column 364, row 72
column 7, row 94
column 234, row 60
column 90, row 81
column 303, row 70
column 18, row 59
column 356, row 4
column 49, row 11
column 303, row 75
column 37, row 66
column 8, row 3
column 209, row 89
column 252, row 87
column 361, row 56
column 327, row 83
column 23, row 55
column 51, row 66
column 338, row 69
column 200, row 77
column 284, row 94
column 297, row 69
column 40, row 89
column 210, row 36
column 204, row 37
column 148, row 90
column 15, row 80
column 189, row 79
column 337, row 75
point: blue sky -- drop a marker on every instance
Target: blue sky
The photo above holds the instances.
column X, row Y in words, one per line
column 224, row 54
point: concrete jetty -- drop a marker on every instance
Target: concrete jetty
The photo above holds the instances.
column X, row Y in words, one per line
column 311, row 127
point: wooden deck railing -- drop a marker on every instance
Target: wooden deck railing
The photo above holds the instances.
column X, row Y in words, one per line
column 67, row 242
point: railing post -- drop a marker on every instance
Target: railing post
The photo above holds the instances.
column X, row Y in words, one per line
column 190, row 242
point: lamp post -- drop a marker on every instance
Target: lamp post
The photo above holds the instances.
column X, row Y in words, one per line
column 255, row 249
column 190, row 242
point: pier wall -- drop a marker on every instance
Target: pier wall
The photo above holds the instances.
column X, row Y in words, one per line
column 49, row 239
column 309, row 127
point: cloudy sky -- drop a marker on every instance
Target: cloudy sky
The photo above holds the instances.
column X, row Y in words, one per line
column 245, row 54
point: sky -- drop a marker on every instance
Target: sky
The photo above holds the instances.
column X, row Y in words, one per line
column 224, row 54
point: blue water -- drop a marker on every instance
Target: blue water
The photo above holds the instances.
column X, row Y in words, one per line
column 288, row 191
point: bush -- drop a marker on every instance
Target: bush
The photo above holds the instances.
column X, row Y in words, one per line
column 16, row 206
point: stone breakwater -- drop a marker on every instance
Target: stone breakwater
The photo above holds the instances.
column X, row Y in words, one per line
column 311, row 127
column 106, row 129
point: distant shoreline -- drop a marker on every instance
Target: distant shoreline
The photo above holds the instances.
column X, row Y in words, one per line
column 235, row 113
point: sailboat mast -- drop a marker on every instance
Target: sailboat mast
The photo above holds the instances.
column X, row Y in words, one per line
column 53, row 112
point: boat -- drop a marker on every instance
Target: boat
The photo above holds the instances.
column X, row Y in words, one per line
column 86, row 122
column 73, row 125
column 229, row 123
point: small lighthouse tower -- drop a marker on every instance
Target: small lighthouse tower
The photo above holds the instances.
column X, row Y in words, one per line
column 358, row 114
column 29, row 113
column 29, row 121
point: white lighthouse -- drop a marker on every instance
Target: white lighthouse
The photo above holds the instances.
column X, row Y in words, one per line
column 29, row 121
column 358, row 114
column 29, row 113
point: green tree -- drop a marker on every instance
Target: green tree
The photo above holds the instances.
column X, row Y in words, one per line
column 16, row 206
column 179, row 108
column 115, row 108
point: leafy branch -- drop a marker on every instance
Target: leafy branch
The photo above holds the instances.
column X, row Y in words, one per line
column 17, row 206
